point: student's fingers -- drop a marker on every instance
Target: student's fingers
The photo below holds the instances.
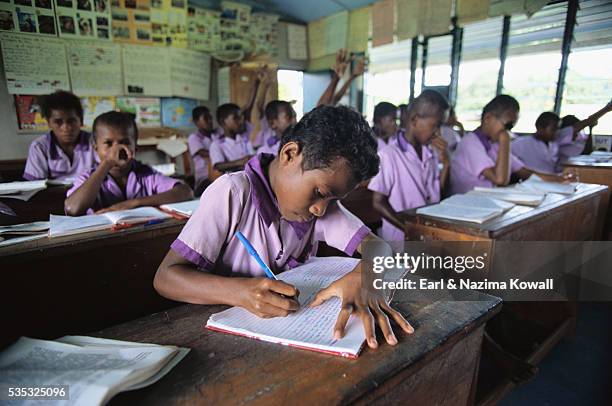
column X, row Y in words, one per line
column 343, row 318
column 322, row 296
column 398, row 318
column 279, row 301
column 384, row 323
column 280, row 287
column 266, row 310
column 368, row 326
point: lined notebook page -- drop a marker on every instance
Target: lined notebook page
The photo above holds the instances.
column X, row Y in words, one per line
column 481, row 202
column 308, row 327
column 461, row 213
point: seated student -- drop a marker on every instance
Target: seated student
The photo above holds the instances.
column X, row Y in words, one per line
column 120, row 182
column 448, row 132
column 280, row 116
column 409, row 172
column 483, row 157
column 385, row 123
column 231, row 151
column 539, row 151
column 199, row 146
column 571, row 137
column 283, row 205
column 65, row 151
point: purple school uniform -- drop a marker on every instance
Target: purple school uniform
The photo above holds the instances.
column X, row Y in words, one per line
column 46, row 160
column 142, row 181
column 568, row 146
column 536, row 154
column 475, row 153
column 264, row 133
column 270, row 145
column 227, row 149
column 451, row 137
column 243, row 201
column 406, row 180
column 199, row 141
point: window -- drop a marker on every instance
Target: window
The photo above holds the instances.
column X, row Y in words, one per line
column 290, row 87
column 392, row 87
column 588, row 86
column 477, row 84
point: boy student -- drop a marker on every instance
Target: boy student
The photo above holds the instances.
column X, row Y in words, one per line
column 120, row 182
column 410, row 175
column 483, row 157
column 283, row 205
column 199, row 145
column 385, row 123
column 231, row 151
column 65, row 151
column 280, row 116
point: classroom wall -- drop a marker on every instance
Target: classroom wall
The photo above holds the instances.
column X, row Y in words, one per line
column 13, row 145
column 314, row 86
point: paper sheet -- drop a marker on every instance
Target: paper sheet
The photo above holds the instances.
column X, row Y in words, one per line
column 169, row 23
column 93, row 106
column 435, row 17
column 95, row 67
column 311, row 327
column 190, row 74
column 25, row 186
column 297, row 42
column 185, row 208
column 359, row 29
column 316, row 39
column 383, row 22
column 146, row 109
column 477, row 201
column 408, row 14
column 146, row 70
column 84, row 19
column 336, row 32
column 204, row 29
column 131, row 21
column 176, row 112
column 25, row 73
column 223, row 85
column 263, row 31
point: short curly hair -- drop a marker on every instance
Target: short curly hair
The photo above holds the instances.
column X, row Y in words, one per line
column 329, row 133
column 60, row 100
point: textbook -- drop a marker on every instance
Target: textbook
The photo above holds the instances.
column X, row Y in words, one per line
column 467, row 207
column 510, row 194
column 22, row 190
column 183, row 209
column 535, row 184
column 67, row 225
column 308, row 328
column 17, row 233
column 85, row 370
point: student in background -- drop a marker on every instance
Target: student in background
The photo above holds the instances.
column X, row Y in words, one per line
column 280, row 116
column 283, row 205
column 539, row 151
column 231, row 151
column 483, row 157
column 448, row 132
column 343, row 61
column 572, row 139
column 120, row 182
column 65, row 151
column 403, row 111
column 199, row 146
column 266, row 77
column 385, row 123
column 410, row 174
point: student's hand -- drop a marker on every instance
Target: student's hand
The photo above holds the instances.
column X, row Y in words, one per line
column 440, row 145
column 118, row 154
column 267, row 298
column 359, row 67
column 125, row 205
column 570, row 175
column 342, row 62
column 368, row 304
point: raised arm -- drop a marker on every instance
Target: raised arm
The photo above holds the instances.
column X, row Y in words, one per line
column 357, row 71
column 338, row 70
column 591, row 121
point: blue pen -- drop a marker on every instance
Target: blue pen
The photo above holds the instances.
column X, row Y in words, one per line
column 254, row 254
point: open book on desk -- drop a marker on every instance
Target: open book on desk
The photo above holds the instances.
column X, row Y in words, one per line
column 468, row 207
column 510, row 194
column 22, row 190
column 535, row 184
column 93, row 370
column 182, row 209
column 308, row 328
column 17, row 233
column 66, row 225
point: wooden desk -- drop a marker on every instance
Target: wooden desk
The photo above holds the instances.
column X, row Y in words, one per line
column 436, row 365
column 76, row 284
column 558, row 218
column 598, row 173
column 38, row 208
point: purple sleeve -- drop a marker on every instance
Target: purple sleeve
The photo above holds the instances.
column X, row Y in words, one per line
column 37, row 165
column 78, row 181
column 340, row 229
column 515, row 163
column 383, row 181
column 195, row 144
column 216, row 154
column 206, row 232
column 158, row 183
column 474, row 157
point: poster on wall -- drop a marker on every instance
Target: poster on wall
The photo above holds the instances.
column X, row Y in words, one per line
column 28, row 16
column 169, row 23
column 146, row 109
column 203, row 29
column 176, row 112
column 146, row 71
column 87, row 19
column 95, row 67
column 29, row 117
column 131, row 21
column 94, row 106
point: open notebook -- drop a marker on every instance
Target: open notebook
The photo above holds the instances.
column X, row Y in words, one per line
column 308, row 328
column 535, row 184
column 94, row 369
column 510, row 194
column 468, row 207
column 17, row 233
column 22, row 190
column 66, row 225
column 184, row 209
